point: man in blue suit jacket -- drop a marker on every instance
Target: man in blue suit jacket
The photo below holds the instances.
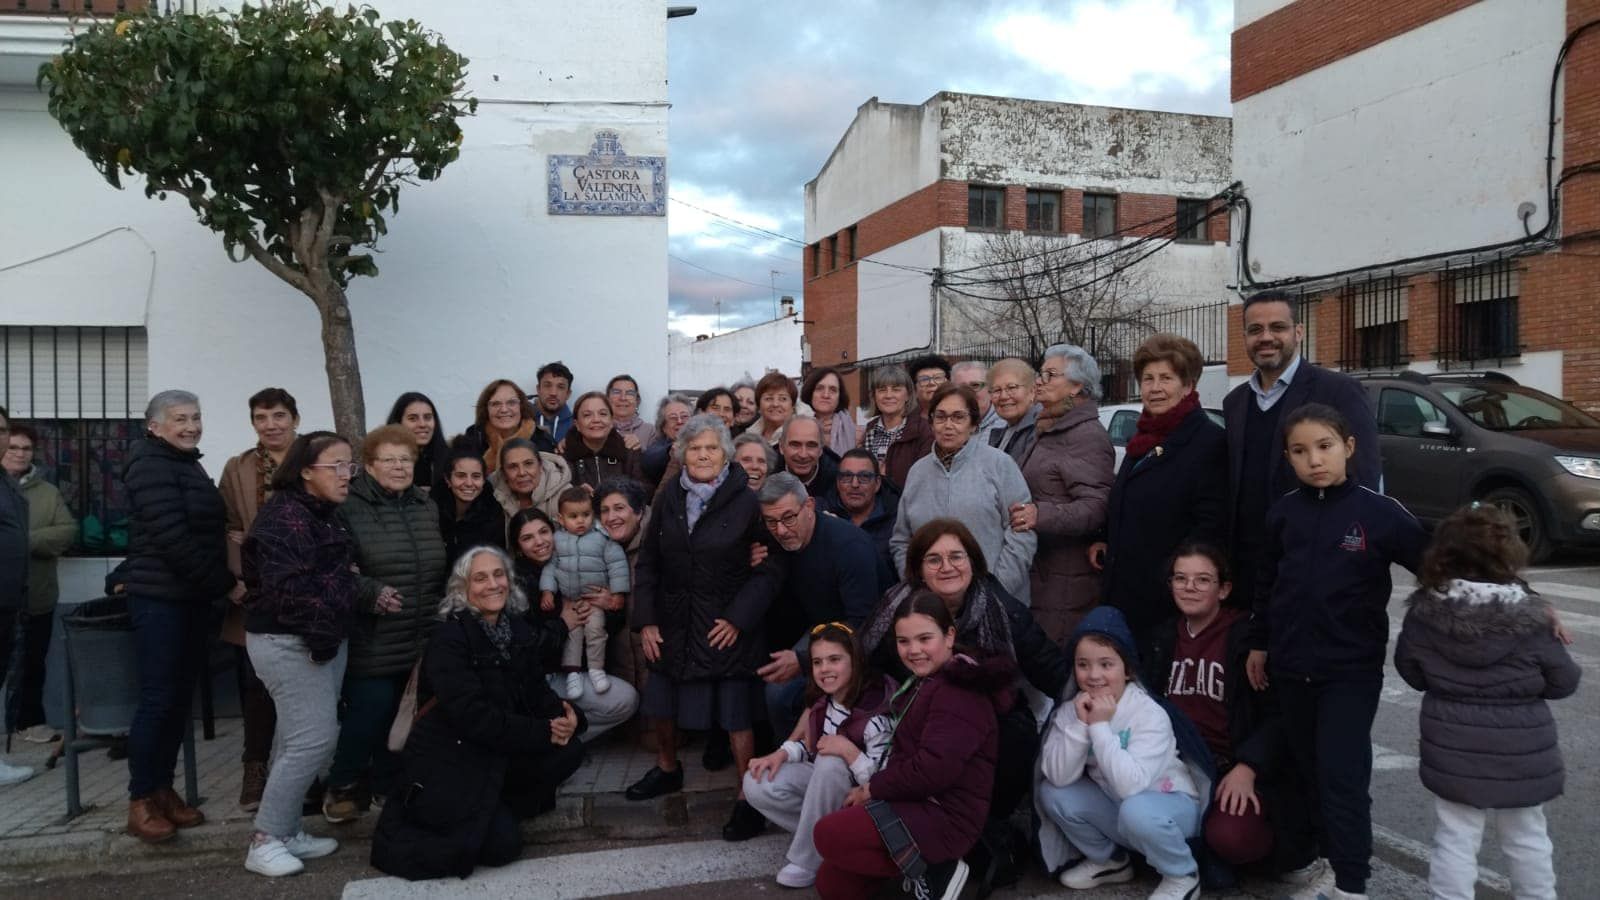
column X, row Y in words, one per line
column 1258, row 472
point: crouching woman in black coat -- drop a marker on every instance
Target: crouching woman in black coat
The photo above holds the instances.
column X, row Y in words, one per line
column 492, row 742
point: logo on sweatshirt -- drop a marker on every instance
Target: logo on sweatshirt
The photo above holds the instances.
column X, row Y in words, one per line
column 1355, row 539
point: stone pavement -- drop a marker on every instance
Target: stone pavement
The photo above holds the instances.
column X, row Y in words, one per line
column 34, row 829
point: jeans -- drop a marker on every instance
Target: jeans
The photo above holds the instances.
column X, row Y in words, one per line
column 307, row 692
column 169, row 638
column 255, row 707
column 601, row 712
column 1453, row 870
column 797, row 797
column 1155, row 824
column 1329, row 728
column 370, row 703
column 786, row 701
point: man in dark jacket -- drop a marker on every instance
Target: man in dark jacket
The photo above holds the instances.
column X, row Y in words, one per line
column 806, row 457
column 1258, row 472
column 868, row 501
column 13, row 579
column 833, row 577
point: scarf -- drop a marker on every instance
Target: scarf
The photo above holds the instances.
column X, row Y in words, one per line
column 1153, row 430
column 982, row 624
column 841, row 433
column 266, row 467
column 491, row 456
column 698, row 493
column 499, row 634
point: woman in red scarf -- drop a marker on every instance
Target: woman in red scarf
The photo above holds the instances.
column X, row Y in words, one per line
column 1172, row 487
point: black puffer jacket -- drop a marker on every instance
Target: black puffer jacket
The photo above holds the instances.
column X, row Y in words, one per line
column 177, row 533
column 397, row 545
column 685, row 581
column 1486, row 659
column 612, row 460
column 483, row 523
column 490, row 711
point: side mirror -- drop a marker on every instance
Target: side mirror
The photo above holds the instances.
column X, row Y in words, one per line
column 1437, row 429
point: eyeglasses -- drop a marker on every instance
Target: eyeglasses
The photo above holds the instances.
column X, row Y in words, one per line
column 1199, row 582
column 340, row 470
column 392, row 461
column 787, row 521
column 1047, row 376
column 504, row 404
column 956, row 558
column 931, row 379
column 24, row 448
column 1010, row 389
column 826, row 625
column 976, row 387
column 623, row 392
column 856, row 477
column 958, row 418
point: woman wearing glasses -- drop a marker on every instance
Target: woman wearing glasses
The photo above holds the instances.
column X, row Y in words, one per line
column 401, row 557
column 1068, row 467
column 297, row 565
column 944, row 557
column 657, row 457
column 967, row 480
column 622, row 393
column 504, row 413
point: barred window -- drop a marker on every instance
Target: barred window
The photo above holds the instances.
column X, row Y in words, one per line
column 1375, row 317
column 986, row 206
column 1478, row 313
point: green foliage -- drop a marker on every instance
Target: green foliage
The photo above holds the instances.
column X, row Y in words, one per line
column 289, row 128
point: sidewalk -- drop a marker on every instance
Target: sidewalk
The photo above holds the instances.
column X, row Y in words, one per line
column 35, row 832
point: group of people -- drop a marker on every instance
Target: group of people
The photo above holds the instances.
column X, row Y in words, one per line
column 897, row 630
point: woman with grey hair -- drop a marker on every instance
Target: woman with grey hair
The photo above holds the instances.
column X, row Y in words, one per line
column 897, row 435
column 1012, row 388
column 1068, row 467
column 756, row 457
column 674, row 410
column 699, row 607
column 176, row 568
column 493, row 741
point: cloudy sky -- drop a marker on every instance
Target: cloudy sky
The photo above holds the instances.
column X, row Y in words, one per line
column 762, row 90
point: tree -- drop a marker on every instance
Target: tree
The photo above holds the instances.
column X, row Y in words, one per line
column 289, row 129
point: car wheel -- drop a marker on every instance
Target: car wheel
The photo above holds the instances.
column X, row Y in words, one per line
column 1524, row 510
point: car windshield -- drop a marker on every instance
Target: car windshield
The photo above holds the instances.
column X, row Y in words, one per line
column 1507, row 408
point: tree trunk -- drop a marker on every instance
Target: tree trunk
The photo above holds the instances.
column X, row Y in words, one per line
column 344, row 370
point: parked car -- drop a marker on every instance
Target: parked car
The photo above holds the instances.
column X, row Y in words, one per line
column 1447, row 440
column 1122, row 419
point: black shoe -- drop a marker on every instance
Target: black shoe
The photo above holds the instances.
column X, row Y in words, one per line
column 312, row 804
column 744, row 824
column 718, row 754
column 993, row 862
column 655, row 783
column 945, row 880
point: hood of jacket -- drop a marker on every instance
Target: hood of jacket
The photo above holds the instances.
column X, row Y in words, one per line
column 1485, row 621
column 574, row 449
column 153, row 447
column 1084, row 410
column 367, row 488
column 555, row 476
column 994, row 675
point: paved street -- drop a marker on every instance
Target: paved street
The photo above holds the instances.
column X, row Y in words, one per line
column 684, row 859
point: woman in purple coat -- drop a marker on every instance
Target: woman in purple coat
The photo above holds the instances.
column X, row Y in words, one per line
column 926, row 806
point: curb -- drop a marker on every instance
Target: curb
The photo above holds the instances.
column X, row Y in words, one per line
column 575, row 818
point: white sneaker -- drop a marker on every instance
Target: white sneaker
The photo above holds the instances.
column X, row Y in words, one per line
column 1178, row 887
column 793, row 876
column 1345, row 895
column 305, row 846
column 10, row 774
column 39, row 734
column 600, row 680
column 272, row 859
column 574, row 686
column 1306, row 874
column 1090, row 874
column 1318, row 883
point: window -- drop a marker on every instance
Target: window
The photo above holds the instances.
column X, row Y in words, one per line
column 1044, row 211
column 985, row 206
column 1099, row 215
column 833, row 252
column 1478, row 313
column 1191, row 220
column 852, row 238
column 1375, row 333
column 816, row 259
column 1404, row 413
column 84, row 391
column 1124, row 422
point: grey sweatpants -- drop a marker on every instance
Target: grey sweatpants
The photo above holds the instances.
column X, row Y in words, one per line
column 591, row 636
column 306, row 695
column 800, row 794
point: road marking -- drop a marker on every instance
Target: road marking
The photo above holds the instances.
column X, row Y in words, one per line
column 1386, row 760
column 1421, row 852
column 1567, row 591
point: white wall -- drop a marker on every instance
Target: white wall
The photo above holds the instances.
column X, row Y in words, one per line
column 890, row 150
column 1247, row 11
column 477, row 280
column 1425, row 143
column 893, row 308
column 721, row 360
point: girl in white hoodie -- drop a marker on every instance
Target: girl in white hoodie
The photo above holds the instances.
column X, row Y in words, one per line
column 1113, row 781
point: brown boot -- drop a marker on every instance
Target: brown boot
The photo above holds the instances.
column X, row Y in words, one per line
column 180, row 814
column 146, row 822
column 252, row 783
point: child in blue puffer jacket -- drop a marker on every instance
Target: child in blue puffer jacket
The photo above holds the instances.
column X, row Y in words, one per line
column 584, row 555
column 1320, row 629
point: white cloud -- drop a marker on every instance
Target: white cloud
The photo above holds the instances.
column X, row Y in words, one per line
column 1109, row 49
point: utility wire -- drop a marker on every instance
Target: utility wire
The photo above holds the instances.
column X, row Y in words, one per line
column 691, row 265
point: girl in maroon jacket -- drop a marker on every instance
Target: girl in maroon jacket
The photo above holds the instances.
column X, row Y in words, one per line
column 925, row 807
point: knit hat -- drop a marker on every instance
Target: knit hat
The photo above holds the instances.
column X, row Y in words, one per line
column 1107, row 622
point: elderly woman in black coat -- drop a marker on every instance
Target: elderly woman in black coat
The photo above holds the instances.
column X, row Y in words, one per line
column 699, row 608
column 492, row 742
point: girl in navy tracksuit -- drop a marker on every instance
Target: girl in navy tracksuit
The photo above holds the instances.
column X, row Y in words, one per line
column 1320, row 629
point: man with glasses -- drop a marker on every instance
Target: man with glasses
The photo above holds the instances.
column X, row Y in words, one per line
column 927, row 373
column 805, row 456
column 832, row 577
column 13, row 579
column 869, row 502
column 974, row 376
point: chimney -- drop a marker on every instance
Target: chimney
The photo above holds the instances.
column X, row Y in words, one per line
column 788, row 307
column 702, row 337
